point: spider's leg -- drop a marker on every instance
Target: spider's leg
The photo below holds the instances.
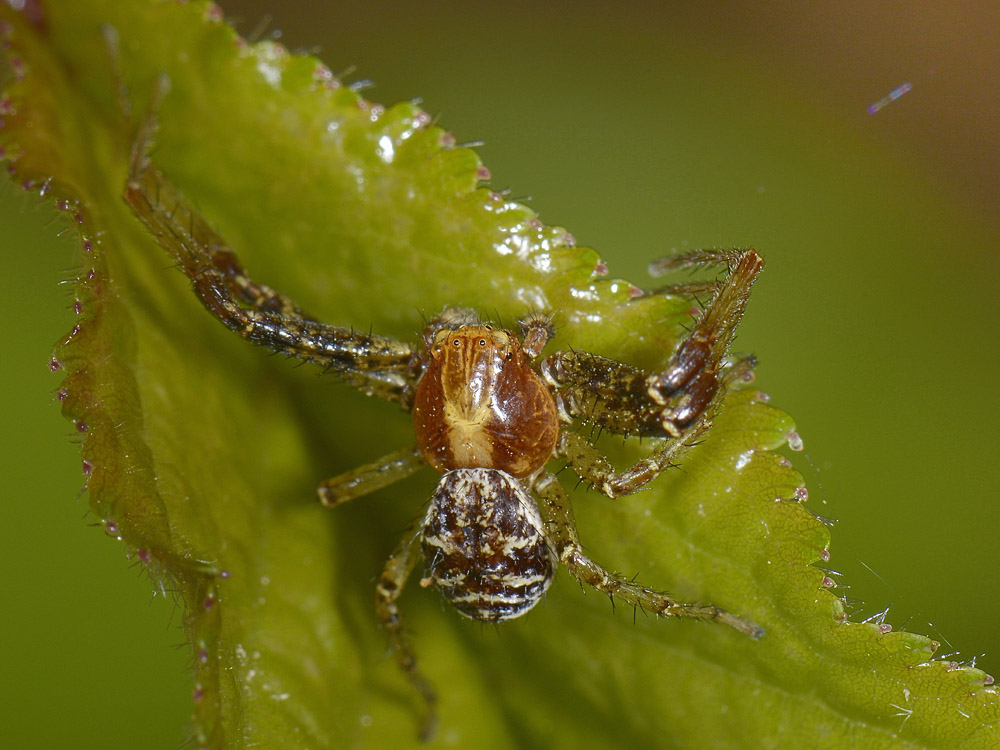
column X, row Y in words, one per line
column 591, row 466
column 602, row 391
column 370, row 477
column 182, row 231
column 707, row 257
column 696, row 259
column 698, row 290
column 690, row 381
column 613, row 396
column 628, row 411
column 561, row 527
column 390, row 585
column 625, row 400
column 634, row 416
column 377, row 365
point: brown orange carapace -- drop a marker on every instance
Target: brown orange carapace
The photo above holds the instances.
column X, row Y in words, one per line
column 480, row 404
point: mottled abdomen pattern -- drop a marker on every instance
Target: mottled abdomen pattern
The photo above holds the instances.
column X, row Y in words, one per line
column 484, row 545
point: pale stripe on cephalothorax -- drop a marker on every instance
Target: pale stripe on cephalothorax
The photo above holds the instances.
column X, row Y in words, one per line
column 468, row 400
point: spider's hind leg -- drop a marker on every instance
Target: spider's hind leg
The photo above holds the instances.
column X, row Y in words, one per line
column 561, row 528
column 390, row 584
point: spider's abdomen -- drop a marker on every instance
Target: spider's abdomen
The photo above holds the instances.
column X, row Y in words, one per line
column 485, row 545
column 480, row 404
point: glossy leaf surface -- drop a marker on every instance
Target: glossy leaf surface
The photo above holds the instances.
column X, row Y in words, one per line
column 203, row 452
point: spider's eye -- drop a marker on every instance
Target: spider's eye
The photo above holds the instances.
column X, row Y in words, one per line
column 510, row 356
column 456, row 342
column 482, row 342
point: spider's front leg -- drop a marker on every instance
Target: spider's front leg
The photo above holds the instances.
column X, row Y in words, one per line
column 376, row 365
column 561, row 528
column 672, row 404
column 691, row 379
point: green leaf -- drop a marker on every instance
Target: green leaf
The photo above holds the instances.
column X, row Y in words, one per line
column 203, row 452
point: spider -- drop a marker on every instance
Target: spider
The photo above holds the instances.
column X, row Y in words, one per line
column 489, row 415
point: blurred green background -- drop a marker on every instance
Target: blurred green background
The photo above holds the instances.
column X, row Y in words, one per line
column 642, row 128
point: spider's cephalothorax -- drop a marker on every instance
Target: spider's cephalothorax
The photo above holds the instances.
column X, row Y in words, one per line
column 488, row 415
column 479, row 404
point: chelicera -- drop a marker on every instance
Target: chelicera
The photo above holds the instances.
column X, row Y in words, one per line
column 490, row 415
